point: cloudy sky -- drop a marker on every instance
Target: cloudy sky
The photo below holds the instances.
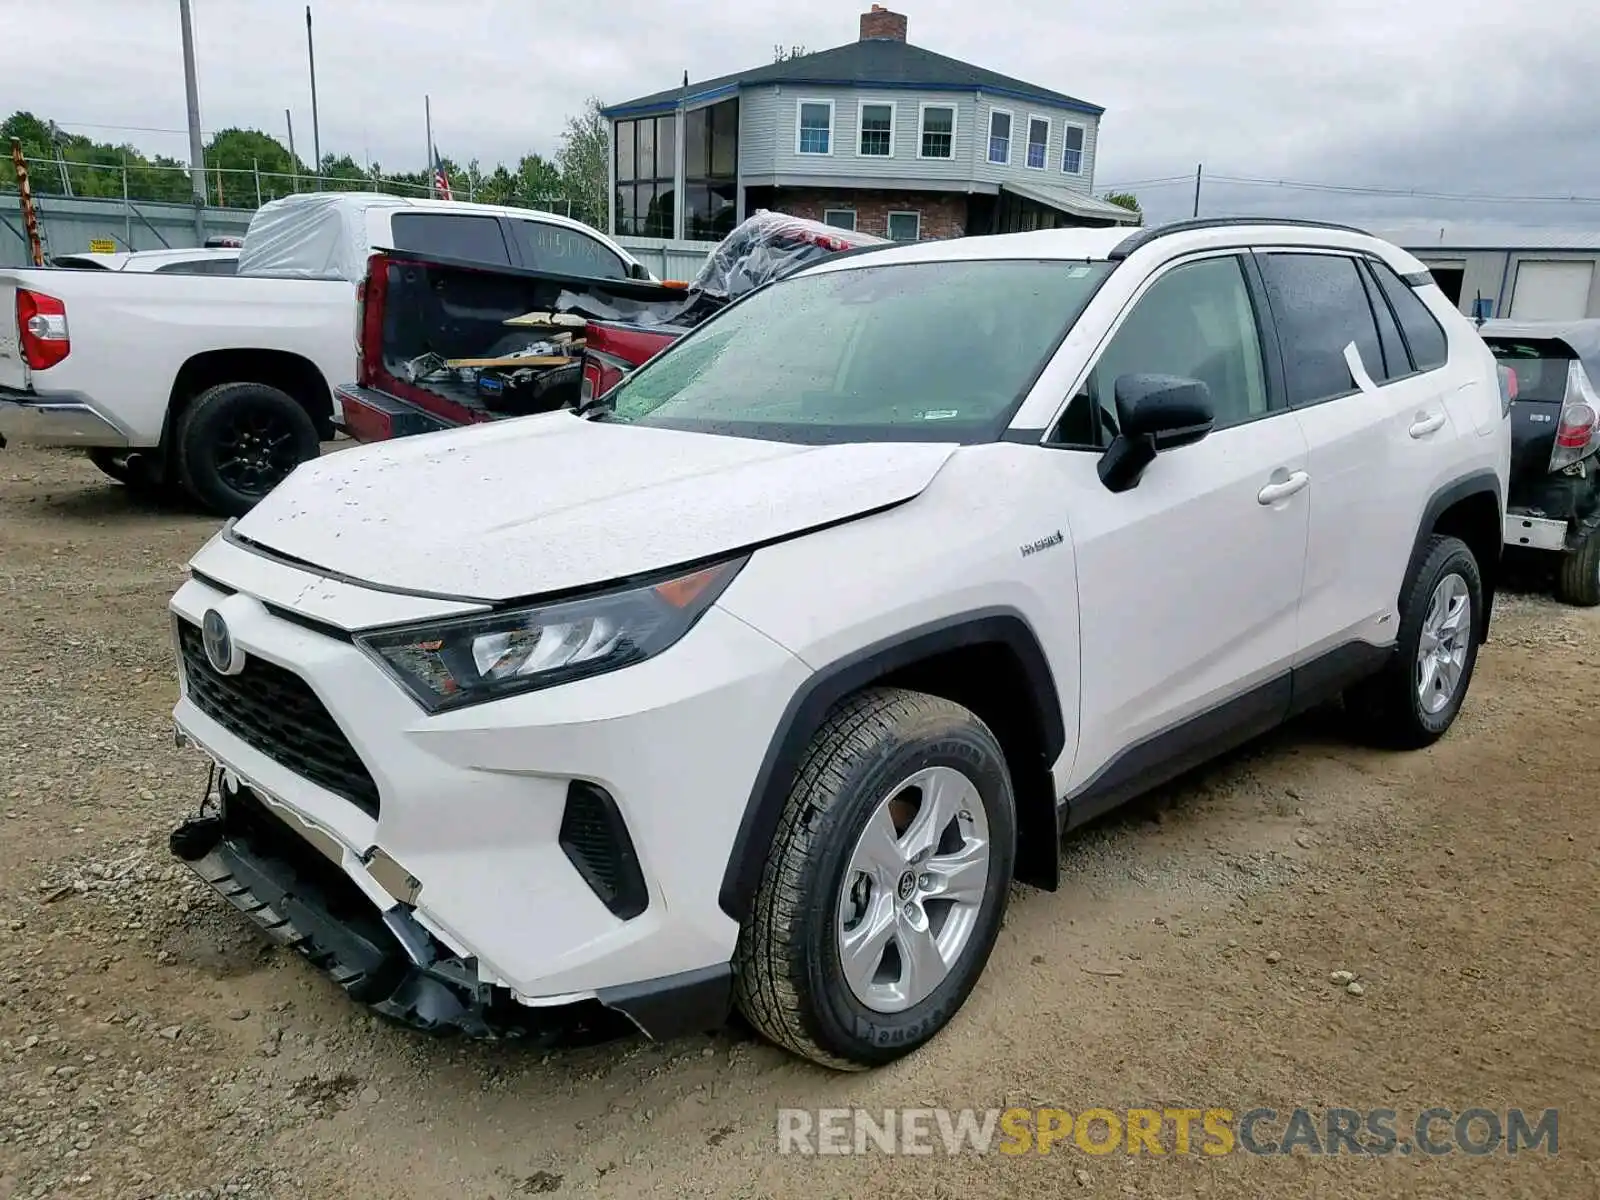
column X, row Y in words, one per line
column 1466, row 97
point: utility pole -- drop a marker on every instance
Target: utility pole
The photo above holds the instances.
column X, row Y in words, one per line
column 294, row 161
column 1197, row 188
column 316, row 132
column 433, row 177
column 197, row 164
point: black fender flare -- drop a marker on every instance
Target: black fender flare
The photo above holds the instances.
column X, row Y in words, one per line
column 1481, row 482
column 828, row 685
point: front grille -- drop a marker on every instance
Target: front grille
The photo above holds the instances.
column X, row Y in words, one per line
column 595, row 839
column 276, row 712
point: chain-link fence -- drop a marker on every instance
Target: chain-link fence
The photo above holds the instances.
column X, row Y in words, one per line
column 248, row 189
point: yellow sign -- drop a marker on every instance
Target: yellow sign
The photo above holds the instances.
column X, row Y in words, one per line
column 102, row 246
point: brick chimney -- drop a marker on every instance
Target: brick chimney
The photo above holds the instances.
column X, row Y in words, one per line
column 882, row 25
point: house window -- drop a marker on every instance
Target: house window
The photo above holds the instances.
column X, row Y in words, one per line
column 1038, row 141
column 840, row 218
column 646, row 161
column 815, row 133
column 877, row 131
column 1072, row 150
column 1000, row 137
column 938, row 133
column 905, row 226
column 710, row 171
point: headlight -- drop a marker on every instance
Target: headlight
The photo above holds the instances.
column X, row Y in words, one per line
column 468, row 660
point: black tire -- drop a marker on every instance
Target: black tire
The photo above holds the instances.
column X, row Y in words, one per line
column 790, row 983
column 1388, row 708
column 133, row 469
column 1579, row 580
column 238, row 441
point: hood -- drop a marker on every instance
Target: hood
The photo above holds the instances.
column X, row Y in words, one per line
column 547, row 503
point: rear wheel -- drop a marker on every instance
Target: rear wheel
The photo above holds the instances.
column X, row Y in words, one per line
column 1417, row 696
column 885, row 888
column 238, row 441
column 1579, row 580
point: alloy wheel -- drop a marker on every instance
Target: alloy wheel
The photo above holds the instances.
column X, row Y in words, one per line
column 914, row 889
column 1442, row 648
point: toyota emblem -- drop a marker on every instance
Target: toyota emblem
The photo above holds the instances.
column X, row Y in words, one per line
column 224, row 656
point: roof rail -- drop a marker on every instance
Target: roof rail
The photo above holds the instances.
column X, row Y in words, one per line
column 1144, row 237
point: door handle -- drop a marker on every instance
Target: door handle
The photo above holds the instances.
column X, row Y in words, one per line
column 1283, row 488
column 1426, row 423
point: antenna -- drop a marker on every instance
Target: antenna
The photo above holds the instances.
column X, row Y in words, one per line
column 1477, row 308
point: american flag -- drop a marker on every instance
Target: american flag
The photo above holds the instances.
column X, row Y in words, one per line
column 441, row 181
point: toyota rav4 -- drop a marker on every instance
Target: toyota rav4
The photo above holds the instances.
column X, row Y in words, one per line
column 756, row 682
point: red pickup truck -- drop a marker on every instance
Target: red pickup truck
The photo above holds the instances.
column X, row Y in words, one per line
column 443, row 343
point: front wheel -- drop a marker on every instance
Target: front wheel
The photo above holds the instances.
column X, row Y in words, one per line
column 1416, row 698
column 1579, row 581
column 238, row 441
column 884, row 891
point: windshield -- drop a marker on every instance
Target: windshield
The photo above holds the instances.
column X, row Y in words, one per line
column 941, row 351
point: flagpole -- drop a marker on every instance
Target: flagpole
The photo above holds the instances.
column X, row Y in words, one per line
column 427, row 114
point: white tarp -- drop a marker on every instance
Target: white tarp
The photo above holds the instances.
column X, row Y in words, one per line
column 313, row 235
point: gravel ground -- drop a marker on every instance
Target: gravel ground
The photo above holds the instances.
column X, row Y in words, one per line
column 152, row 1046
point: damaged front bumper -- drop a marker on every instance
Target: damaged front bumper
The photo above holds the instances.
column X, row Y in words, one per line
column 298, row 896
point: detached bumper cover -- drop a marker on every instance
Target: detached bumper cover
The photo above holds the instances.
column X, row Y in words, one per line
column 390, row 963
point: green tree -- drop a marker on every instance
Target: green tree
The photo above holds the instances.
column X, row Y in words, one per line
column 584, row 161
column 1125, row 200
column 538, row 179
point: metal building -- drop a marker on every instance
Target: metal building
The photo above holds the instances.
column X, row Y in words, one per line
column 1525, row 273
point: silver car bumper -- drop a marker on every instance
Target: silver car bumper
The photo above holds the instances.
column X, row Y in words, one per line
column 1540, row 533
column 56, row 422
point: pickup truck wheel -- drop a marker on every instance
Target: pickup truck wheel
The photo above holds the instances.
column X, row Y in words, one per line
column 1579, row 580
column 238, row 441
column 1415, row 699
column 885, row 888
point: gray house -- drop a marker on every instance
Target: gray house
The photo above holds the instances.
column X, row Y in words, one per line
column 877, row 135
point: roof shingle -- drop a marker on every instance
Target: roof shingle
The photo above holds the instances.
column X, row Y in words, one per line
column 877, row 62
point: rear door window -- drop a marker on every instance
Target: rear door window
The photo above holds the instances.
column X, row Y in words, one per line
column 1320, row 306
column 548, row 247
column 1424, row 335
column 451, row 235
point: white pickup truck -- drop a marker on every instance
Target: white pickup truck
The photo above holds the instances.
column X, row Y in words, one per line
column 219, row 386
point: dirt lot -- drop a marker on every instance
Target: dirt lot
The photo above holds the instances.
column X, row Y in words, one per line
column 150, row 1046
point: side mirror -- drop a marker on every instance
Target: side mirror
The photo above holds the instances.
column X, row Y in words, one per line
column 1154, row 413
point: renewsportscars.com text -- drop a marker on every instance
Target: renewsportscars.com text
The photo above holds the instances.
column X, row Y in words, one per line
column 1211, row 1132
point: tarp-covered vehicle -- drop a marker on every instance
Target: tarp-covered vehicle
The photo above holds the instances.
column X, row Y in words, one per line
column 1554, row 500
column 443, row 343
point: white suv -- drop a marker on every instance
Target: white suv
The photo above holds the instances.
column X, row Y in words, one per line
column 760, row 680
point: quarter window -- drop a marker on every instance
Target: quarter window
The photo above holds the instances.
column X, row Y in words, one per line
column 877, row 130
column 1321, row 307
column 816, row 127
column 1424, row 335
column 938, row 131
column 1000, row 137
column 1038, row 141
column 547, row 247
column 1196, row 322
column 1072, row 150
